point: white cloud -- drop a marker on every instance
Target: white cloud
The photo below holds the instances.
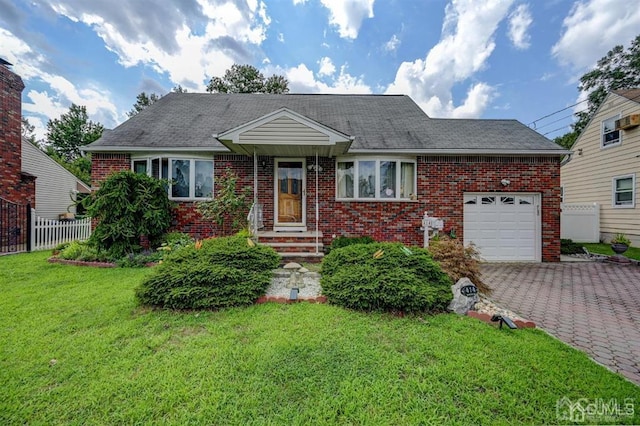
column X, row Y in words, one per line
column 519, row 22
column 393, row 44
column 40, row 106
column 594, row 27
column 302, row 80
column 189, row 58
column 464, row 48
column 348, row 15
column 326, row 67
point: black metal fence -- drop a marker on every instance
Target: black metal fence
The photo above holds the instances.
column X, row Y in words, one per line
column 15, row 227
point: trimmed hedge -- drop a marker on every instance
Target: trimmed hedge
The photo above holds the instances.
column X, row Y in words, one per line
column 344, row 241
column 222, row 272
column 397, row 281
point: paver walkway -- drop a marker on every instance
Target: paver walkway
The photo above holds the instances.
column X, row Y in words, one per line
column 592, row 306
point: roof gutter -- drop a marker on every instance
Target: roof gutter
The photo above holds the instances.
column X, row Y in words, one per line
column 554, row 152
column 107, row 148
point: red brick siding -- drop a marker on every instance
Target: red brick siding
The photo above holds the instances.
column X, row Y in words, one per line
column 14, row 186
column 104, row 165
column 442, row 181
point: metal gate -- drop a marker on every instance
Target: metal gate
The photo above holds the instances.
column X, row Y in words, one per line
column 15, row 227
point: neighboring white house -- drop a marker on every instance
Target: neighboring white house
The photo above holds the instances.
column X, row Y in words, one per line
column 605, row 166
column 55, row 185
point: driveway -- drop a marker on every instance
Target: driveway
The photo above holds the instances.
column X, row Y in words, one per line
column 593, row 306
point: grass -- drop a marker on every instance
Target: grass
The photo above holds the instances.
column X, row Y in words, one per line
column 77, row 350
column 600, row 248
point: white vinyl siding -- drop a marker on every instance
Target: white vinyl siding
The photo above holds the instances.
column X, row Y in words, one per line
column 587, row 178
column 55, row 185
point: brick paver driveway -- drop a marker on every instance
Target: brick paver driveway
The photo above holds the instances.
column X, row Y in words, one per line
column 593, row 306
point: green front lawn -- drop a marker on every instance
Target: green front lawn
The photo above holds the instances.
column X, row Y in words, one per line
column 632, row 253
column 75, row 349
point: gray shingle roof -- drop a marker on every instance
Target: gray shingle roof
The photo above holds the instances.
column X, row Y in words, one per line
column 631, row 94
column 376, row 122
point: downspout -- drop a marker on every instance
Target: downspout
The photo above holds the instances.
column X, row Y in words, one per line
column 317, row 212
column 566, row 159
column 255, row 193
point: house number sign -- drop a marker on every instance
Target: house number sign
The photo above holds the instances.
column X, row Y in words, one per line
column 468, row 290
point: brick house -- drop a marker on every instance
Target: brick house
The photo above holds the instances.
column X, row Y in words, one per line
column 322, row 166
column 16, row 186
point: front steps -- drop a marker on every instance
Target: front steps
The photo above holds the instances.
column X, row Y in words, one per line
column 294, row 246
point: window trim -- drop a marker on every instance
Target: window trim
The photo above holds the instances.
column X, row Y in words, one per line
column 614, row 192
column 602, row 133
column 378, row 160
column 169, row 177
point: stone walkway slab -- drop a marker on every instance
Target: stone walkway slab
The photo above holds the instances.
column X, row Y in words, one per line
column 592, row 306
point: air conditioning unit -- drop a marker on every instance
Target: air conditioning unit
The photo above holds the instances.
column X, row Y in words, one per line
column 628, row 122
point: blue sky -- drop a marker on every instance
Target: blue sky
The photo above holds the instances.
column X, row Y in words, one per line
column 461, row 58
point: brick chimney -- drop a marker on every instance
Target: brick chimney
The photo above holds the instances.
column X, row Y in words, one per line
column 15, row 186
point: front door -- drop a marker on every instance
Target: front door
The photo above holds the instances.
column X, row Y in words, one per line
column 290, row 203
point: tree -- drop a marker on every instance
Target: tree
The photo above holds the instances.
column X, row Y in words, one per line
column 143, row 101
column 127, row 206
column 71, row 131
column 28, row 131
column 247, row 79
column 618, row 69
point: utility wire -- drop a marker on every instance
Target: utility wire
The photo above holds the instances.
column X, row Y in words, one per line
column 556, row 112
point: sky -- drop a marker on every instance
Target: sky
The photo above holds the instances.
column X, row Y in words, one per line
column 490, row 59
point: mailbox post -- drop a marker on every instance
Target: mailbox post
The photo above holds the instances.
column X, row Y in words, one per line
column 430, row 224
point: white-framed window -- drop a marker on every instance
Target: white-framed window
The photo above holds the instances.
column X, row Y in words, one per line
column 610, row 136
column 375, row 178
column 189, row 178
column 624, row 191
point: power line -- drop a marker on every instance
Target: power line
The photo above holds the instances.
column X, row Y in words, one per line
column 554, row 113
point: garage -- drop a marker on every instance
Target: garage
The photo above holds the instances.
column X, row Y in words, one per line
column 505, row 227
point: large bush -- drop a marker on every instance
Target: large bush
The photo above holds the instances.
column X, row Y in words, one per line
column 398, row 280
column 343, row 241
column 127, row 206
column 210, row 274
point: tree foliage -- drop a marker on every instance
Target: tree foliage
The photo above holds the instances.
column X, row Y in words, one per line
column 230, row 205
column 72, row 130
column 27, row 130
column 618, row 69
column 143, row 101
column 127, row 206
column 247, row 79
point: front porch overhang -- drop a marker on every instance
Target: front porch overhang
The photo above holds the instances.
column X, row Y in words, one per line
column 285, row 133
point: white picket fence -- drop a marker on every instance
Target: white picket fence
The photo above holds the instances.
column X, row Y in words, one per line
column 580, row 222
column 48, row 233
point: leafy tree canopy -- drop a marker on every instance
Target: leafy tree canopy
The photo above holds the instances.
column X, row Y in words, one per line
column 28, row 131
column 143, row 100
column 618, row 69
column 247, row 79
column 65, row 135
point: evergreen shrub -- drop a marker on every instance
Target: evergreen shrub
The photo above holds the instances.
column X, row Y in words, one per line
column 401, row 279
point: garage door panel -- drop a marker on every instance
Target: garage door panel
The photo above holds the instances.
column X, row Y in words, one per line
column 504, row 227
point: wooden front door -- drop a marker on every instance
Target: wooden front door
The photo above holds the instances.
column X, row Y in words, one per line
column 290, row 194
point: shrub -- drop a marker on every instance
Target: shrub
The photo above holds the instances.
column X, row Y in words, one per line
column 344, row 241
column 458, row 261
column 222, row 272
column 84, row 251
column 399, row 280
column 567, row 246
column 129, row 205
column 139, row 260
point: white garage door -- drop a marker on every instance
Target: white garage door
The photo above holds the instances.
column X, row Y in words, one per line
column 504, row 227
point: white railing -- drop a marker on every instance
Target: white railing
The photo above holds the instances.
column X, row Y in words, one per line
column 48, row 233
column 255, row 219
column 580, row 222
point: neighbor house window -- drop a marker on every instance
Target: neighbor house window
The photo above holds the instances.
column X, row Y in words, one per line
column 624, row 191
column 375, row 179
column 610, row 136
column 189, row 178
